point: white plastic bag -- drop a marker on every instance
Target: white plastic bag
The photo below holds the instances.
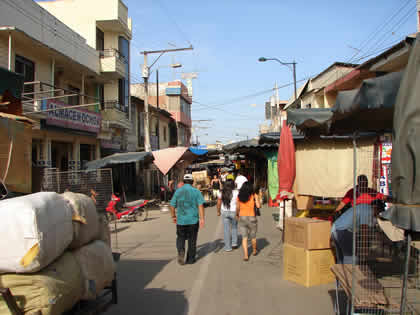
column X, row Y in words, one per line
column 36, row 229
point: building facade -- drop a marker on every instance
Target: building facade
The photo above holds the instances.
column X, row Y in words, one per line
column 60, row 70
column 107, row 28
column 175, row 99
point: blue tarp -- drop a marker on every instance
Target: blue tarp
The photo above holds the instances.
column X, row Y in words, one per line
column 198, row 150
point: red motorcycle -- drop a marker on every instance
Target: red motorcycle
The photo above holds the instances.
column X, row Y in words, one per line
column 129, row 211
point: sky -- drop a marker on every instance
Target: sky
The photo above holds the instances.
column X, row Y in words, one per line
column 228, row 37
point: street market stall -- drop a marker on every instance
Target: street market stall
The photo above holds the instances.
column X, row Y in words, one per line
column 375, row 260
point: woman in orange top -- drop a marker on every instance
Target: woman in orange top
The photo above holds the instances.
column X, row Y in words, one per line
column 245, row 213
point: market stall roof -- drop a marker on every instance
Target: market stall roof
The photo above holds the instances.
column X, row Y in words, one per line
column 309, row 118
column 119, row 158
column 165, row 159
column 405, row 212
column 368, row 108
column 247, row 144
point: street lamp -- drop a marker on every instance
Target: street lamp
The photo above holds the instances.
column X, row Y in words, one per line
column 287, row 64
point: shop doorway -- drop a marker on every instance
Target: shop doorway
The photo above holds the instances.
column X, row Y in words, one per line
column 59, row 155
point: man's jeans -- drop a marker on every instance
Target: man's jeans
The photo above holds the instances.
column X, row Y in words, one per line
column 344, row 246
column 230, row 226
column 187, row 233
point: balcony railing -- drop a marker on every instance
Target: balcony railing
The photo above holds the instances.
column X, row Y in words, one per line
column 115, row 105
column 112, row 52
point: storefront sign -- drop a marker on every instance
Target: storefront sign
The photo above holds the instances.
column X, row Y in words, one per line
column 386, row 153
column 72, row 118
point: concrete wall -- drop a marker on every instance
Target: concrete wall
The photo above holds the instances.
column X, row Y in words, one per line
column 36, row 22
column 81, row 15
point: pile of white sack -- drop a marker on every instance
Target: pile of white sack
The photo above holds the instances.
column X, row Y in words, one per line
column 54, row 251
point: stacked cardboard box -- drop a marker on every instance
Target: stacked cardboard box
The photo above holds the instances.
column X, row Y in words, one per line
column 307, row 255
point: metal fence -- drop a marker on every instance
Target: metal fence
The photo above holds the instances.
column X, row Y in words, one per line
column 373, row 277
column 92, row 182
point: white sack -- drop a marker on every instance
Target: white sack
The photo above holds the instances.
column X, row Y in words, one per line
column 85, row 219
column 36, row 229
column 98, row 268
column 104, row 234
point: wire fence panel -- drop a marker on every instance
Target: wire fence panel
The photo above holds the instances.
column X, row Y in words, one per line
column 94, row 183
column 379, row 258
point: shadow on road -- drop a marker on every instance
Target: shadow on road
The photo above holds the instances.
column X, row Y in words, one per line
column 210, row 247
column 134, row 298
column 119, row 229
column 262, row 243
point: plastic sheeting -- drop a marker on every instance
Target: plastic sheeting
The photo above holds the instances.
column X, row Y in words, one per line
column 405, row 213
column 52, row 291
column 272, row 174
column 36, row 229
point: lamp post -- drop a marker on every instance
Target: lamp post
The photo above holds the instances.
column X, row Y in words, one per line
column 175, row 65
column 287, row 64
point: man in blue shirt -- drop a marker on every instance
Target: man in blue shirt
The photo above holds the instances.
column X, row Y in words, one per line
column 342, row 232
column 189, row 205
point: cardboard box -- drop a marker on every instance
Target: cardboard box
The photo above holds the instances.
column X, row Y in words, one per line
column 304, row 202
column 307, row 267
column 307, row 233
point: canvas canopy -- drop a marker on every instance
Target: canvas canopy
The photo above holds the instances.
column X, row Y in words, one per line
column 165, row 159
column 119, row 158
column 405, row 212
column 366, row 109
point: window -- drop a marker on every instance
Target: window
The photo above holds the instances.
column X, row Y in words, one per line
column 73, row 100
column 25, row 67
column 100, row 42
column 164, row 133
column 101, row 95
column 124, row 84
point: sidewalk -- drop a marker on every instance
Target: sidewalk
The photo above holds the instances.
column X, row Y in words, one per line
column 151, row 282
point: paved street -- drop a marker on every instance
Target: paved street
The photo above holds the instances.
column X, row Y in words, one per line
column 152, row 282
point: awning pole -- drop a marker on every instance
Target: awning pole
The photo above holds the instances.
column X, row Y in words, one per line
column 354, row 222
column 9, row 67
column 406, row 267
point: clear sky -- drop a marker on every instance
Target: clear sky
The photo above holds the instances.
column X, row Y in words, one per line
column 229, row 36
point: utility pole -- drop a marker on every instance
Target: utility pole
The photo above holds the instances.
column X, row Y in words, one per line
column 145, row 75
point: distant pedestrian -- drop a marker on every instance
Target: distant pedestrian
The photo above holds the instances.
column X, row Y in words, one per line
column 226, row 206
column 189, row 205
column 230, row 175
column 215, row 185
column 240, row 179
column 245, row 213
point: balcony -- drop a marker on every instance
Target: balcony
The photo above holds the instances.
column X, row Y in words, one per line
column 112, row 63
column 115, row 115
column 116, row 19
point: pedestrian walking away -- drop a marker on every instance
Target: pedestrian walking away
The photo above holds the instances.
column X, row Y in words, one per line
column 187, row 210
column 240, row 179
column 215, row 185
column 226, row 206
column 245, row 214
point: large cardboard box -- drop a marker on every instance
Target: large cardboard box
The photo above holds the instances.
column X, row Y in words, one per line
column 307, row 233
column 307, row 267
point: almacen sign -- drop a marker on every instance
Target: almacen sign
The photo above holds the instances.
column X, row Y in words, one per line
column 72, row 118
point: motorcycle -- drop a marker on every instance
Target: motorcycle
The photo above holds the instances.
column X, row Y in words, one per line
column 129, row 211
